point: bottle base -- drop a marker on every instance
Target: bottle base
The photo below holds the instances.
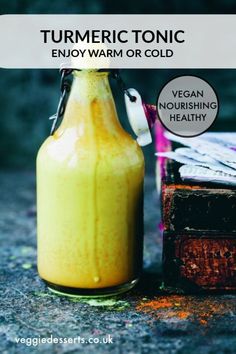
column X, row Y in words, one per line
column 90, row 293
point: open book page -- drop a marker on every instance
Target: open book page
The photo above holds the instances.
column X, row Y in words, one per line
column 210, row 157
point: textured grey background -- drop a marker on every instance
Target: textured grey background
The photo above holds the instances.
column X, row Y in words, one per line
column 177, row 324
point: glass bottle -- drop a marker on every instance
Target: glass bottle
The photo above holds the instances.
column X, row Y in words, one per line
column 90, row 196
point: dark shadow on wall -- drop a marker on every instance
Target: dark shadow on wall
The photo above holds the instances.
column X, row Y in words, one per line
column 29, row 97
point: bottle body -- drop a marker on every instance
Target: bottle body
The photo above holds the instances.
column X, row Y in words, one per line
column 89, row 194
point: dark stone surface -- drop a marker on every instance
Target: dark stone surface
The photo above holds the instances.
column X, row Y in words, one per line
column 147, row 320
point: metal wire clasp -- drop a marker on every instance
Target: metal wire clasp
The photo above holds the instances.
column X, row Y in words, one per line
column 65, row 89
column 121, row 83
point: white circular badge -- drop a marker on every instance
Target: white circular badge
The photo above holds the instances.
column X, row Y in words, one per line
column 187, row 106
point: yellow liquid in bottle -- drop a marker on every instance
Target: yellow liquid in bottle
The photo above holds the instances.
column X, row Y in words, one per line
column 89, row 194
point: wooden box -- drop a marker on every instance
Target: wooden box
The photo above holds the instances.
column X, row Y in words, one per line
column 199, row 230
column 200, row 260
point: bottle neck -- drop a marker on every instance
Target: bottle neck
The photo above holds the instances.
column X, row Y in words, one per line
column 91, row 103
